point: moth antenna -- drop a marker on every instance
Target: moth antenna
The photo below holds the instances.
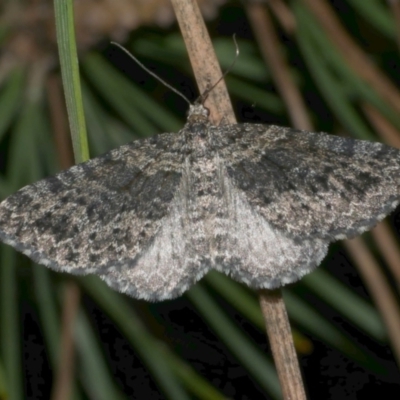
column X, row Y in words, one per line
column 141, row 65
column 202, row 98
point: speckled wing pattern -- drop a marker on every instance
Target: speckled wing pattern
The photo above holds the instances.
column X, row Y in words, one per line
column 259, row 203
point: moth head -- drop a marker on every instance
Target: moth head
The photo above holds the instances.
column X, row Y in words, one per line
column 198, row 113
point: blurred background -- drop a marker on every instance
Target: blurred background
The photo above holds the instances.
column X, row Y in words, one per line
column 314, row 64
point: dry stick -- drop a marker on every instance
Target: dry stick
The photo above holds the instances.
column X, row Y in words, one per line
column 280, row 337
column 207, row 71
column 269, row 44
column 355, row 57
column 283, row 14
column 63, row 381
column 204, row 62
column 381, row 125
column 389, row 249
column 395, row 7
column 380, row 291
column 63, row 384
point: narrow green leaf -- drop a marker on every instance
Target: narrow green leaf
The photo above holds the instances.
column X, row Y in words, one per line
column 70, row 77
column 362, row 314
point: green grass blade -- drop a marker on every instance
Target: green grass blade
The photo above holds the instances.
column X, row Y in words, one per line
column 362, row 314
column 70, row 77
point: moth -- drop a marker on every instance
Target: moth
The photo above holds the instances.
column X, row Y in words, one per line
column 260, row 203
